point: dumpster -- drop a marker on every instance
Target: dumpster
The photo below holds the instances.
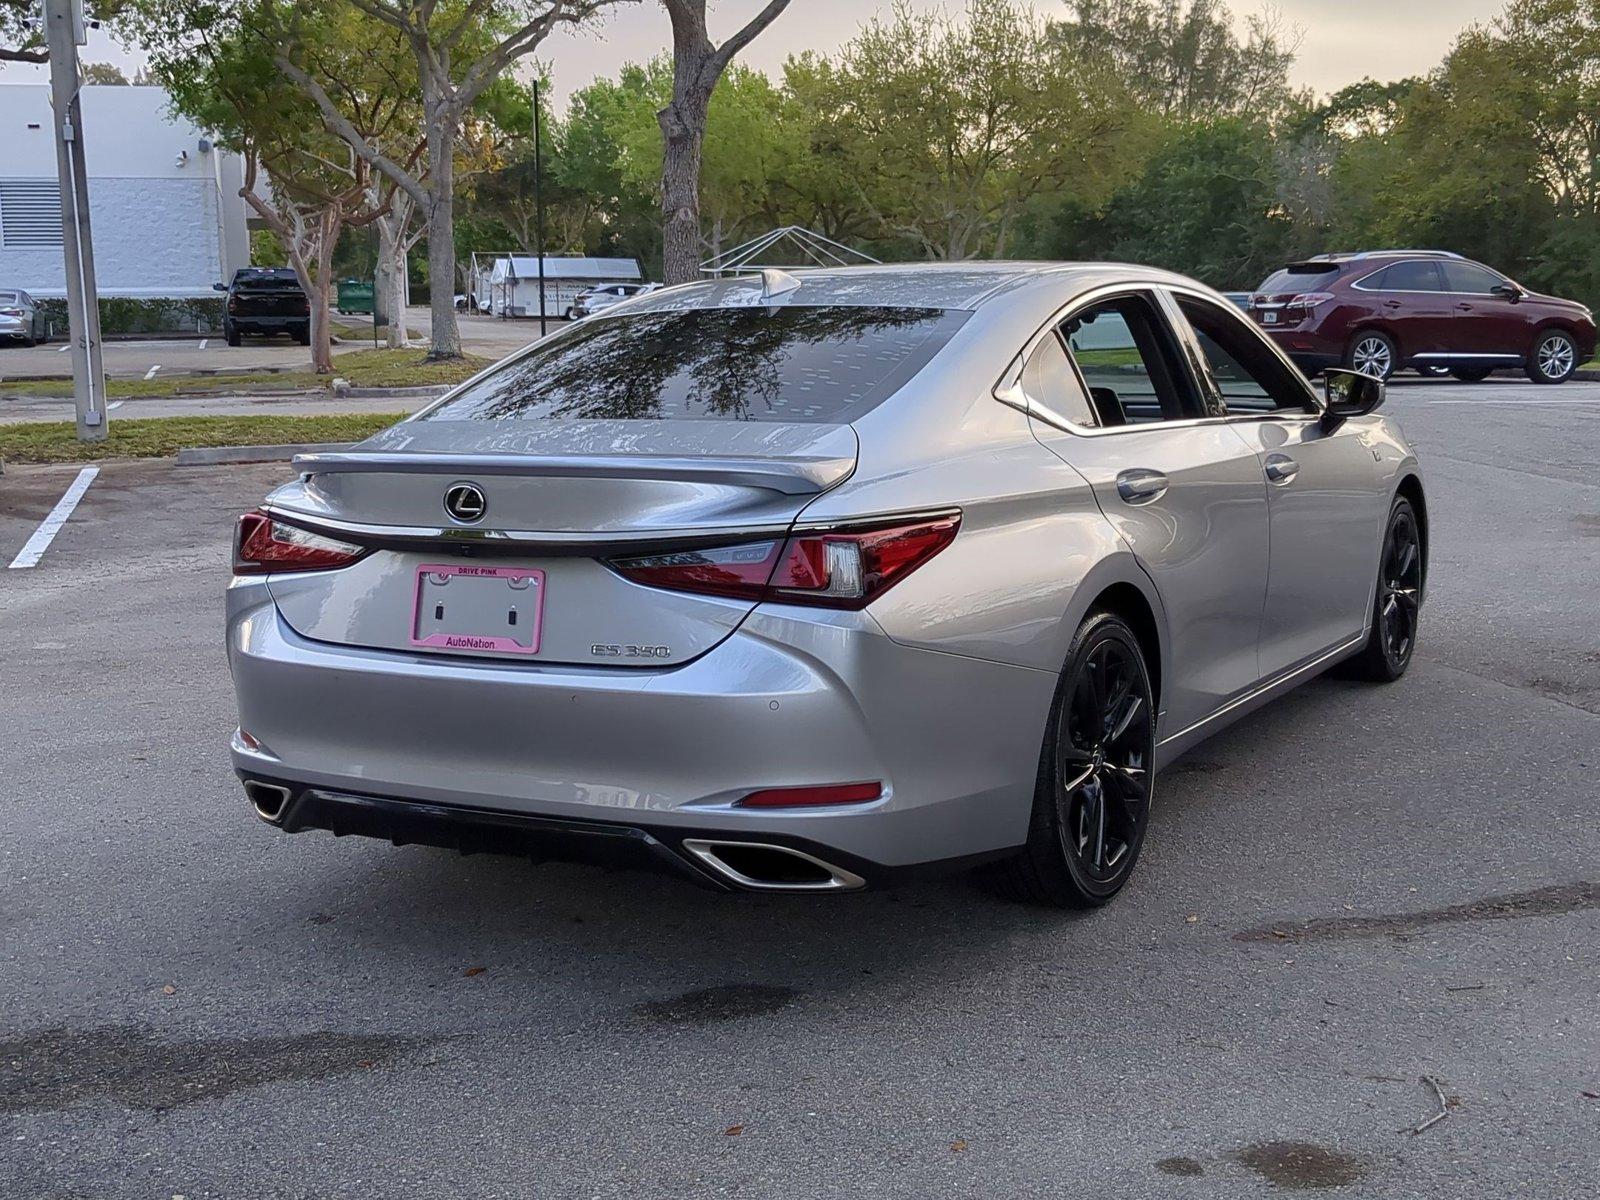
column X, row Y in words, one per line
column 355, row 296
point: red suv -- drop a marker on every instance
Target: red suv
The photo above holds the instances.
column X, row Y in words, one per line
column 1381, row 310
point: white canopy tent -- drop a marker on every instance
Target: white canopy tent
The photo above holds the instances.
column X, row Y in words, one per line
column 792, row 246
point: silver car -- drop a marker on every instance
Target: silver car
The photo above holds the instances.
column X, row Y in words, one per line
column 808, row 582
column 20, row 318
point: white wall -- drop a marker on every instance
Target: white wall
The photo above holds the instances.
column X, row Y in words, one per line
column 161, row 227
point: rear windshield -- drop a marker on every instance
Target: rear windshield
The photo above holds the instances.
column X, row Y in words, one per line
column 1298, row 277
column 8, row 297
column 784, row 363
column 267, row 279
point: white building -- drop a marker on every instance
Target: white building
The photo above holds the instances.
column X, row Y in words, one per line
column 508, row 284
column 164, row 202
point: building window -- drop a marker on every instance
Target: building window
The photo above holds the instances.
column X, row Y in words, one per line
column 30, row 214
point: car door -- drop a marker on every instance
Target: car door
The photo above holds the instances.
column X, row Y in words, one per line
column 1112, row 396
column 1325, row 503
column 1487, row 327
column 1408, row 300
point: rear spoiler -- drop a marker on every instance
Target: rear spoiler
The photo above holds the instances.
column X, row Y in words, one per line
column 795, row 476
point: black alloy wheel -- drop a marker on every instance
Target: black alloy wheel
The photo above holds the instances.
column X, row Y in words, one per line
column 1397, row 604
column 1092, row 802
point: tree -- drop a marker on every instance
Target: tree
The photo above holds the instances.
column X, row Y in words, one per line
column 697, row 65
column 104, row 73
column 952, row 126
column 460, row 49
column 1183, row 58
column 22, row 31
column 217, row 65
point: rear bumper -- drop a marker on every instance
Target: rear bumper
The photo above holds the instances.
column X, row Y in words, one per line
column 787, row 700
column 274, row 323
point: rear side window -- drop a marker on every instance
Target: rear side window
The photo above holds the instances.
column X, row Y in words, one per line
column 1050, row 382
column 784, row 363
column 1125, row 352
column 1405, row 277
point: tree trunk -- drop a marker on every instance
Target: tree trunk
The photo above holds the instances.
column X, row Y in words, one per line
column 389, row 285
column 445, row 336
column 682, row 131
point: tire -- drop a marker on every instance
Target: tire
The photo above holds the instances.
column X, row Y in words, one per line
column 1091, row 805
column 303, row 336
column 1372, row 353
column 1397, row 601
column 230, row 333
column 1554, row 357
column 1472, row 374
column 1433, row 371
column 567, row 316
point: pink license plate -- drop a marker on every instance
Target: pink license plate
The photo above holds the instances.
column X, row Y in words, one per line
column 494, row 609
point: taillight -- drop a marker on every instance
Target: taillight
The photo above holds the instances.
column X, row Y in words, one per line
column 11, row 312
column 261, row 544
column 834, row 568
column 1310, row 299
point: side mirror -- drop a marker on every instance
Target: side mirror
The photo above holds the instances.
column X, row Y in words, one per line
column 219, row 287
column 1349, row 394
column 1509, row 290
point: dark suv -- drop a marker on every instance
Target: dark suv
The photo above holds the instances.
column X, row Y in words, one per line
column 265, row 300
column 1381, row 310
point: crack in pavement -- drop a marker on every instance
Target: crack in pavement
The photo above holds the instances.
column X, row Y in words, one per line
column 1541, row 902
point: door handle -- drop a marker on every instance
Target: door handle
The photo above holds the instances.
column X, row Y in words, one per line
column 1391, row 304
column 1139, row 486
column 1281, row 469
column 1463, row 308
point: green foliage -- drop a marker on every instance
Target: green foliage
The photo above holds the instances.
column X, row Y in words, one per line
column 162, row 437
column 145, row 314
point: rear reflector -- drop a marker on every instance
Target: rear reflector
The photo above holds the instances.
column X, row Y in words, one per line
column 262, row 545
column 811, row 797
column 840, row 568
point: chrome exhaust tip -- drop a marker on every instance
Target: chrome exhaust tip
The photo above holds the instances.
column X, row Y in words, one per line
column 761, row 866
column 268, row 799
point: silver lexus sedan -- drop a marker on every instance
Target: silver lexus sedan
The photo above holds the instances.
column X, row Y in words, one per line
column 808, row 582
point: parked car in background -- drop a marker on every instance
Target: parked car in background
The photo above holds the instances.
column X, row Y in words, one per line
column 1380, row 310
column 265, row 300
column 812, row 582
column 1238, row 299
column 592, row 301
column 20, row 318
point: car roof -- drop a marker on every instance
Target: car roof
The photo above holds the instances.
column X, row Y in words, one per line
column 959, row 285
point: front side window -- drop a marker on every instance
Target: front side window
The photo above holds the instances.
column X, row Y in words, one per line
column 1251, row 378
column 788, row 363
column 1125, row 353
column 1470, row 278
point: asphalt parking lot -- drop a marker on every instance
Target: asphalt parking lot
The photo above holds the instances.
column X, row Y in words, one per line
column 1351, row 893
column 134, row 359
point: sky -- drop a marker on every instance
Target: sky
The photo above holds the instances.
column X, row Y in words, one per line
column 1342, row 40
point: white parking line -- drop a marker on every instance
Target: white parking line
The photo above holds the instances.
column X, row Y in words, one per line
column 1524, row 400
column 203, row 342
column 65, row 348
column 33, row 550
column 115, row 404
column 151, row 373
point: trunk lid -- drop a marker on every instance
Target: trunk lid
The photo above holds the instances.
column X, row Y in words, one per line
column 527, row 580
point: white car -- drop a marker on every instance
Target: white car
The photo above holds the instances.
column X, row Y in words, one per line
column 592, row 301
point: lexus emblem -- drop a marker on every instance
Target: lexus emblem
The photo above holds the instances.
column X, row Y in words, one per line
column 464, row 503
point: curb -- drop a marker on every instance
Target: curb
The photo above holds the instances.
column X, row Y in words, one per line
column 219, row 456
column 1587, row 376
column 387, row 393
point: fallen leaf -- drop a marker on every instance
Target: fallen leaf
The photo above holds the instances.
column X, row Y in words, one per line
column 471, row 971
column 365, row 1063
column 958, row 1145
column 169, row 990
column 733, row 1130
column 1590, row 1095
column 1193, row 918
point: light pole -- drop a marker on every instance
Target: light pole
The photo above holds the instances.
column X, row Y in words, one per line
column 538, row 200
column 64, row 33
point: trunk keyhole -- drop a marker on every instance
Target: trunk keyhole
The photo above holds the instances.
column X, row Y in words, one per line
column 511, row 617
column 438, row 612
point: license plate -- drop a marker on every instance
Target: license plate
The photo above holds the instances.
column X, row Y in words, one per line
column 1269, row 318
column 459, row 607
